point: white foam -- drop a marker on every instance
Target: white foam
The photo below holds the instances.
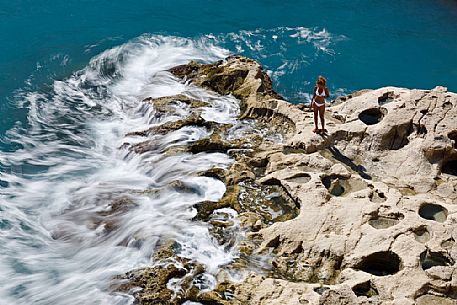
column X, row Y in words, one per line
column 280, row 44
column 70, row 167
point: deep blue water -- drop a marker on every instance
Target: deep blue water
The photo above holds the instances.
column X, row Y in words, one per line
column 373, row 43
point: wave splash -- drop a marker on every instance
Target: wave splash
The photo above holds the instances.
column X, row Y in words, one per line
column 72, row 167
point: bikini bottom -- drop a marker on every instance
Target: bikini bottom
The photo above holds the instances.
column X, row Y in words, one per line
column 319, row 105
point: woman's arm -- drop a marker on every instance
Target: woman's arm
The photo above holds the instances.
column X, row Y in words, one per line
column 314, row 96
column 327, row 93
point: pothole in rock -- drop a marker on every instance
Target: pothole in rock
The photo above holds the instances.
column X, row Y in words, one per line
column 339, row 186
column 259, row 171
column 453, row 136
column 380, row 263
column 259, row 166
column 449, row 167
column 432, row 211
column 365, row 289
column 429, row 259
column 378, row 197
column 386, row 98
column 448, row 244
column 299, row 178
column 384, row 222
column 321, row 290
column 322, row 268
column 270, row 202
column 335, row 185
column 372, row 116
column 421, row 234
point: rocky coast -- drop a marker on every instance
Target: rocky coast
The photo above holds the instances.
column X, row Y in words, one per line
column 365, row 214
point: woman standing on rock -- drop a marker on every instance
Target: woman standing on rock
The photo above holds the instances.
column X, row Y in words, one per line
column 318, row 102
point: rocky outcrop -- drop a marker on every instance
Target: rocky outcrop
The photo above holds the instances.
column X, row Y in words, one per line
column 368, row 210
column 245, row 79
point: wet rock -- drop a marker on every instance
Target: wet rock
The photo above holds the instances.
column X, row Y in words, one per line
column 229, row 200
column 237, row 75
column 344, row 209
column 246, row 80
column 108, row 218
column 152, row 285
column 214, row 143
column 193, row 119
column 118, row 206
column 149, row 285
column 171, row 104
column 152, row 282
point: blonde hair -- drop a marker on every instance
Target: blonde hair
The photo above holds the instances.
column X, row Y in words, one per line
column 321, row 80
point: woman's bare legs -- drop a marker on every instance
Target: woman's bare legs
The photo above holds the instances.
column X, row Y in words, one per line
column 321, row 115
column 316, row 109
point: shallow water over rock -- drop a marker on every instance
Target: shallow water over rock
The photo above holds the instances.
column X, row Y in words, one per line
column 299, row 178
column 429, row 259
column 384, row 222
column 422, row 234
column 270, row 202
column 340, row 186
column 433, row 212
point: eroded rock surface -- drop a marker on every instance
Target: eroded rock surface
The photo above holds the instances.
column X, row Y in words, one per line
column 369, row 210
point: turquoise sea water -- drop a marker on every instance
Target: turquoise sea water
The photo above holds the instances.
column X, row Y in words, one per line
column 367, row 44
column 73, row 74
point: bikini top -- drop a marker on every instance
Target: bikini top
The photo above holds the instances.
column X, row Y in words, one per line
column 323, row 94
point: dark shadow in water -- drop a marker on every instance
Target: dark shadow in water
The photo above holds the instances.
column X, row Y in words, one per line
column 360, row 169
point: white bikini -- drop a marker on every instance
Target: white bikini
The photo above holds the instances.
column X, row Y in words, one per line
column 323, row 94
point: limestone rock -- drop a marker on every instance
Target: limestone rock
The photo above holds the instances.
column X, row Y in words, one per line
column 370, row 207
